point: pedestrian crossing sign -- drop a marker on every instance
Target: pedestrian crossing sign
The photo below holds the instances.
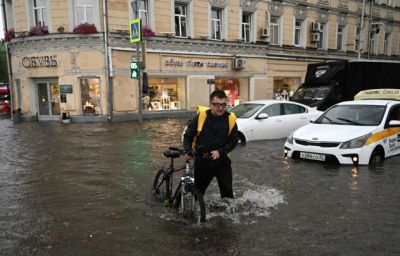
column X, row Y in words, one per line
column 135, row 31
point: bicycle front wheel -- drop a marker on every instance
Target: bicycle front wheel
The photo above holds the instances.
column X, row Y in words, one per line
column 161, row 188
column 191, row 205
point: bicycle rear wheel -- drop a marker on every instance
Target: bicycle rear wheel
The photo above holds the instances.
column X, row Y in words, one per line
column 161, row 188
column 191, row 205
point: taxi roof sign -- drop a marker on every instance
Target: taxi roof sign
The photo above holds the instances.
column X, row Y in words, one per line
column 378, row 94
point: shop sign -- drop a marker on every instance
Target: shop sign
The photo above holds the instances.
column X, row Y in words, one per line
column 40, row 62
column 196, row 64
column 66, row 88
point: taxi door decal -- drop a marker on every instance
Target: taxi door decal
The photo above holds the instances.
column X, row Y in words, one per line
column 382, row 135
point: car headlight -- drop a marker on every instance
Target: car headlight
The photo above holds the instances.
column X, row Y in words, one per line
column 355, row 143
column 290, row 139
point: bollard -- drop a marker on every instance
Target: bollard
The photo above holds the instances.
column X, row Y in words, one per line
column 66, row 119
column 17, row 115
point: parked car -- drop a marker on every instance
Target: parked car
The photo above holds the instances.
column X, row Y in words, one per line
column 4, row 99
column 364, row 131
column 271, row 119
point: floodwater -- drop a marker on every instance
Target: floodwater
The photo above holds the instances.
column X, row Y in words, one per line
column 84, row 189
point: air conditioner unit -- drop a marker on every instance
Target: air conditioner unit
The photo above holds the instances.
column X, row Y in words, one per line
column 264, row 32
column 315, row 37
column 239, row 63
column 316, row 26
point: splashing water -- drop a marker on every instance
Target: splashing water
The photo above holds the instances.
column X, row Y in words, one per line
column 253, row 201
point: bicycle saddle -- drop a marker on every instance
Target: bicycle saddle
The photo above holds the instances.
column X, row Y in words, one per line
column 172, row 153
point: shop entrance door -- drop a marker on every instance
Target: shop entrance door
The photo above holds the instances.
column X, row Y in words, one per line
column 48, row 100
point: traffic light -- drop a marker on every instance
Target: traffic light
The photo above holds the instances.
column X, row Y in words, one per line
column 135, row 69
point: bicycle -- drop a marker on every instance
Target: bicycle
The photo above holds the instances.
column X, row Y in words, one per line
column 187, row 198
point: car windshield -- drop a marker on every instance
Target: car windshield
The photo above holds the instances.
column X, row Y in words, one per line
column 246, row 110
column 364, row 115
column 312, row 93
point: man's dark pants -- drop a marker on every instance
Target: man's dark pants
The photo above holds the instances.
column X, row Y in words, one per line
column 206, row 170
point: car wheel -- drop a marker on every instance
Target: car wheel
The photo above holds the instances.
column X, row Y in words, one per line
column 241, row 139
column 377, row 157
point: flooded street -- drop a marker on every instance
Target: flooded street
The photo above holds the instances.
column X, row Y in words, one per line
column 84, row 189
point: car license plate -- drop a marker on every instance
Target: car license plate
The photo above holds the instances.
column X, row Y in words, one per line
column 312, row 156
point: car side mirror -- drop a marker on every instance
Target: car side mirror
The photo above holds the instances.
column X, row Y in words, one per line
column 262, row 116
column 312, row 120
column 394, row 123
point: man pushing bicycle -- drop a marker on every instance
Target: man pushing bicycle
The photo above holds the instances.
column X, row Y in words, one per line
column 212, row 134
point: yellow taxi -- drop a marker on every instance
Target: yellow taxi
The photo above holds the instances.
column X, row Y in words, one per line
column 364, row 131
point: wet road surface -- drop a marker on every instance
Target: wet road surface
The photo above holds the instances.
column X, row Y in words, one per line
column 84, row 189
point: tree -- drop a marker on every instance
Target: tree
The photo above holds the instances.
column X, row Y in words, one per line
column 3, row 64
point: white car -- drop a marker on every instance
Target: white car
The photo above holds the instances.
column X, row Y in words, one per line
column 271, row 119
column 353, row 132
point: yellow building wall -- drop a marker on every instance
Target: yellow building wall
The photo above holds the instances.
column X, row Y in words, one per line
column 59, row 15
column 163, row 12
column 118, row 15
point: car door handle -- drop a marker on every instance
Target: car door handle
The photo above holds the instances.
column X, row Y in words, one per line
column 278, row 120
column 303, row 117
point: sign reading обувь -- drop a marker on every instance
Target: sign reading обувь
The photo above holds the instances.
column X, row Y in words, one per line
column 40, row 62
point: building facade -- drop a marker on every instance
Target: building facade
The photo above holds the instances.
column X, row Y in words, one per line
column 249, row 49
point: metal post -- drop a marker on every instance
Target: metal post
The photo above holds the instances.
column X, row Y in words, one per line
column 108, row 64
column 369, row 27
column 139, row 83
column 140, row 107
column 8, row 55
column 361, row 41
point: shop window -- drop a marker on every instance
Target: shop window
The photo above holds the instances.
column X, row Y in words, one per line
column 231, row 89
column 164, row 94
column 284, row 87
column 90, row 96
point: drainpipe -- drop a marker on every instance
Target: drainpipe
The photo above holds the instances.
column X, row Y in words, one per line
column 9, row 69
column 106, row 54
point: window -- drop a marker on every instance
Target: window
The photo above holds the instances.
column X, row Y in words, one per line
column 40, row 12
column 143, row 11
column 143, row 7
column 273, row 110
column 274, row 26
column 246, row 27
column 180, row 20
column 10, row 17
column 372, row 43
column 357, row 39
column 322, row 39
column 85, row 11
column 387, row 43
column 297, row 32
column 340, row 38
column 216, row 23
column 90, row 96
column 291, row 109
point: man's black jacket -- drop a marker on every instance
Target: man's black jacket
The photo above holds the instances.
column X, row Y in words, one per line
column 214, row 135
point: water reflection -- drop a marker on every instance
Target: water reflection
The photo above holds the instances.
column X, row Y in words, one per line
column 84, row 189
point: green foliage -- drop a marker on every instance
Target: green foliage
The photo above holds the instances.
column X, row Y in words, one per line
column 3, row 64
